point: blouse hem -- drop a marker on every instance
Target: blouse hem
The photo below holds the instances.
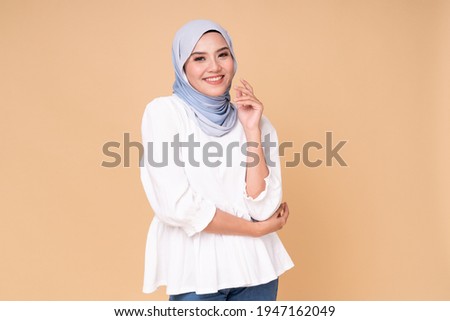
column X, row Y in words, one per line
column 151, row 289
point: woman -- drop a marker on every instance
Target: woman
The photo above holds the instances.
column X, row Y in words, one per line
column 216, row 201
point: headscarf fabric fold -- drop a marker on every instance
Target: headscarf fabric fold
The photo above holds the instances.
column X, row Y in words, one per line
column 216, row 116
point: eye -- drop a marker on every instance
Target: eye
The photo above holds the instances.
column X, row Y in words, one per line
column 200, row 58
column 224, row 54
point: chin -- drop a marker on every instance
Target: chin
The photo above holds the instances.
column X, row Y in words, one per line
column 213, row 93
column 217, row 94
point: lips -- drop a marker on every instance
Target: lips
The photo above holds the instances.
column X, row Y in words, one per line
column 214, row 80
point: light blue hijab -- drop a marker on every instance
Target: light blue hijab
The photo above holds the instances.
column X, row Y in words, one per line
column 216, row 116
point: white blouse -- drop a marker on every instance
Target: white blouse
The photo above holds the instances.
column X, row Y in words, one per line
column 185, row 186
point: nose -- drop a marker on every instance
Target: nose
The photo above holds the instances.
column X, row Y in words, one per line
column 215, row 65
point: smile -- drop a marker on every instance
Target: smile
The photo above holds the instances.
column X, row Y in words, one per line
column 214, row 80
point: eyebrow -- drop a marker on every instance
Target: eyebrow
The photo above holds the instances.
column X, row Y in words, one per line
column 204, row 53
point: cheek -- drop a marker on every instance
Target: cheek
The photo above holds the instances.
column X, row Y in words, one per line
column 192, row 72
column 230, row 66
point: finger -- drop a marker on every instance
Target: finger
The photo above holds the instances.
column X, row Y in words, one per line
column 286, row 212
column 277, row 212
column 248, row 97
column 243, row 107
column 247, row 85
column 280, row 210
column 283, row 208
column 248, row 103
column 246, row 100
column 238, row 92
column 280, row 207
column 244, row 90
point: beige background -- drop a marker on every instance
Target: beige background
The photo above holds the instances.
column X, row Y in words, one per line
column 77, row 74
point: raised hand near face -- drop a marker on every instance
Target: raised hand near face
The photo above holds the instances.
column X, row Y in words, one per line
column 250, row 109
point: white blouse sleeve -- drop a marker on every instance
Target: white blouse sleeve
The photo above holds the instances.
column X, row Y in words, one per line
column 268, row 201
column 166, row 184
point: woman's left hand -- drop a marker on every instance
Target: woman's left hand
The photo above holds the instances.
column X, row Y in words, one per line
column 250, row 109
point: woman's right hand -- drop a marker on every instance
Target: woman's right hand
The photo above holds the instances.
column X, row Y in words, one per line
column 273, row 223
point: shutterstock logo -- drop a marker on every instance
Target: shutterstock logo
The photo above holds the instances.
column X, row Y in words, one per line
column 214, row 154
column 331, row 152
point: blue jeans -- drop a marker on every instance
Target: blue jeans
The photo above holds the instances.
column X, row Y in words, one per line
column 262, row 292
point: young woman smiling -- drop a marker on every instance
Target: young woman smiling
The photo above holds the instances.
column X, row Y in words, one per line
column 213, row 236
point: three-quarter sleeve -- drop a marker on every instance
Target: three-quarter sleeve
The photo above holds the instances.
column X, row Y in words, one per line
column 267, row 202
column 171, row 197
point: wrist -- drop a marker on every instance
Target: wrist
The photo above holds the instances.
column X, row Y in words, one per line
column 258, row 229
column 253, row 135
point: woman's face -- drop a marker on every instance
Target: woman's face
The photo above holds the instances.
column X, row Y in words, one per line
column 210, row 67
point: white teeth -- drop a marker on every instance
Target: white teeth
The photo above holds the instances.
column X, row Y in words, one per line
column 214, row 78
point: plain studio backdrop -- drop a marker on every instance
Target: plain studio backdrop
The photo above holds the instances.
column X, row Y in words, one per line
column 78, row 74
